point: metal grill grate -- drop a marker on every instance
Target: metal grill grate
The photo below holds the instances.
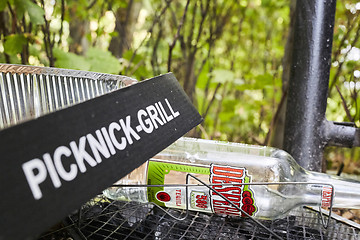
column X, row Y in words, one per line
column 105, row 219
column 24, row 96
column 27, row 92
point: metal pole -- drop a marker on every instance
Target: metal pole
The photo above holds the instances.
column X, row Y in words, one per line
column 309, row 80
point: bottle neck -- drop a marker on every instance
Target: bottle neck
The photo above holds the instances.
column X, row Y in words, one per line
column 346, row 191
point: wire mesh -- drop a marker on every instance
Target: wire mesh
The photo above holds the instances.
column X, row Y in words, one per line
column 102, row 218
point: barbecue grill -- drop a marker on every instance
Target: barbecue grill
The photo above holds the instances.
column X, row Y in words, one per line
column 102, row 218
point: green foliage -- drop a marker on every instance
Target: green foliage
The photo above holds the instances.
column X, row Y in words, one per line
column 136, row 65
column 227, row 54
column 222, row 75
column 36, row 13
column 96, row 60
column 203, row 77
column 14, row 44
column 102, row 61
column 344, row 85
column 3, row 5
column 70, row 60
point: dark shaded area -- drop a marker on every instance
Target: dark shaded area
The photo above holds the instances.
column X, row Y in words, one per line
column 104, row 219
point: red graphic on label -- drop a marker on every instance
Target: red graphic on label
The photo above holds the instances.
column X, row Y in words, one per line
column 163, row 196
column 248, row 203
column 326, row 196
column 233, row 192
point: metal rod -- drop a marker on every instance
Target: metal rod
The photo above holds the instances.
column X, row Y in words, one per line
column 325, row 224
column 341, row 134
column 234, row 205
column 309, row 80
column 224, row 184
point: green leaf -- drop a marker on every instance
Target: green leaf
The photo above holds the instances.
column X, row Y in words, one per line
column 264, row 79
column 20, row 7
column 2, row 57
column 103, row 61
column 114, row 34
column 34, row 51
column 203, row 77
column 261, row 81
column 70, row 60
column 36, row 13
column 14, row 44
column 128, row 55
column 351, row 64
column 222, row 75
column 3, row 5
column 226, row 116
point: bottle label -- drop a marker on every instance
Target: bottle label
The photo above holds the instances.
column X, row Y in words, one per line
column 226, row 180
column 240, row 195
column 325, row 191
column 326, row 196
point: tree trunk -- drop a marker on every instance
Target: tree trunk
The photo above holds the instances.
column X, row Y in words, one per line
column 78, row 28
column 277, row 135
column 4, row 30
column 189, row 79
column 126, row 19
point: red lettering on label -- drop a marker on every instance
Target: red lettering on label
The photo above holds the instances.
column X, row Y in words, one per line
column 178, row 197
column 223, row 207
column 230, row 197
column 233, row 191
column 201, row 201
column 326, row 197
column 224, row 179
column 228, row 171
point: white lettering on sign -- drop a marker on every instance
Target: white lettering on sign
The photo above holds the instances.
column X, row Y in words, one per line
column 105, row 142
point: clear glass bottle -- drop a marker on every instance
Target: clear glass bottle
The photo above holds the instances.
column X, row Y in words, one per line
column 225, row 165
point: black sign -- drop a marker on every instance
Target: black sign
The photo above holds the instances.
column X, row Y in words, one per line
column 50, row 166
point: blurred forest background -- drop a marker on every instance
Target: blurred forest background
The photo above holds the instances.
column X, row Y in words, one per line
column 231, row 56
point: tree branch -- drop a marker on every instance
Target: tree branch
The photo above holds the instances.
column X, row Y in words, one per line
column 343, row 103
column 172, row 45
column 90, row 5
column 350, row 26
column 14, row 19
column 62, row 21
column 337, row 74
column 275, row 117
column 47, row 41
column 156, row 20
column 218, row 110
column 204, row 13
column 211, row 101
column 154, row 59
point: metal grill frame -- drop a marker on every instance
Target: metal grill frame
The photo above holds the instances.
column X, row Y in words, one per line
column 28, row 92
column 102, row 218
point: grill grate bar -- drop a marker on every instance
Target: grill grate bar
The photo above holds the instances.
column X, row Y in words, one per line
column 26, row 96
column 119, row 226
column 105, row 219
column 133, row 230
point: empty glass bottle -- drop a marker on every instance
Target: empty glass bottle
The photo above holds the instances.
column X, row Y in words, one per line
column 225, row 166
